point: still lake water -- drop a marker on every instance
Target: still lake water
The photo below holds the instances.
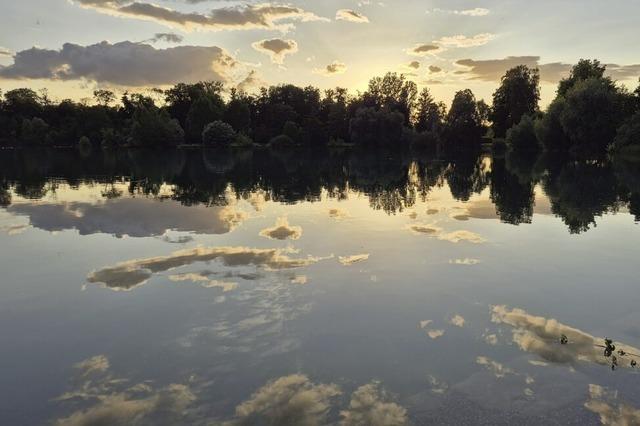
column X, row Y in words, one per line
column 285, row 288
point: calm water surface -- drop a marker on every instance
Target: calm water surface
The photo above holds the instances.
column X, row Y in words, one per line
column 262, row 288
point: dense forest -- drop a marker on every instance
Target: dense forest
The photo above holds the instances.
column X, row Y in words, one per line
column 590, row 117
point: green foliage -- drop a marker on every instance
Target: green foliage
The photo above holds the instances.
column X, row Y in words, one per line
column 628, row 135
column 518, row 95
column 463, row 127
column 203, row 111
column 549, row 128
column 522, row 138
column 585, row 69
column 218, row 134
column 393, row 93
column 34, row 131
column 238, row 113
column 282, row 141
column 154, row 127
column 291, row 130
column 429, row 115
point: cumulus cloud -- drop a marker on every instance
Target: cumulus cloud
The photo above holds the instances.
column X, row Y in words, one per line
column 334, row 68
column 351, row 16
column 414, row 65
column 420, row 228
column 291, row 399
column 133, row 273
column 251, row 82
column 434, row 69
column 424, row 50
column 541, row 336
column 282, row 231
column 350, row 260
column 431, row 332
column 124, row 63
column 462, row 235
column 606, row 405
column 96, row 364
column 461, row 41
column 276, row 48
column 457, row 320
column 5, row 52
column 264, row 16
column 498, row 369
column 133, row 217
column 370, row 405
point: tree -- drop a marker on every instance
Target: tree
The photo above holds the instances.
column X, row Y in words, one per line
column 152, row 126
column 628, row 135
column 104, row 97
column 392, row 92
column 463, row 129
column 180, row 98
column 218, row 134
column 585, row 69
column 203, row 111
column 376, row 127
column 238, row 112
column 522, row 138
column 429, row 114
column 518, row 95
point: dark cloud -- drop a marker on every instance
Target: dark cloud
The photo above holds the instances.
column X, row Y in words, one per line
column 282, row 231
column 125, row 63
column 260, row 16
column 336, row 67
column 167, row 37
column 434, row 69
column 423, row 49
column 276, row 48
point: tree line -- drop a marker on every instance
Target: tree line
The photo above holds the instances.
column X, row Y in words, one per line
column 590, row 116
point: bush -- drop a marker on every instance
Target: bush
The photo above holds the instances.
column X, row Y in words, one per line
column 153, row 127
column 628, row 135
column 522, row 137
column 218, row 134
column 242, row 140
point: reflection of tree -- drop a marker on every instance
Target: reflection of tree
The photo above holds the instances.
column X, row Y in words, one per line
column 513, row 196
column 628, row 174
column 580, row 191
column 465, row 177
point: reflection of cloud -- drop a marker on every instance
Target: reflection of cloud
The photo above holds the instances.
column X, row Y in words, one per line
column 116, row 403
column 338, row 213
column 130, row 274
column 419, row 228
column 465, row 262
column 437, row 386
column 125, row 63
column 351, row 16
column 432, row 211
column 134, row 217
column 605, row 404
column 288, row 400
column 491, row 339
column 282, row 231
column 276, row 48
column 96, row 364
column 435, row 333
column 14, row 229
column 369, row 406
column 541, row 336
column 495, row 367
column 205, row 281
column 350, row 260
column 462, row 235
column 260, row 16
column 457, row 320
column 299, row 279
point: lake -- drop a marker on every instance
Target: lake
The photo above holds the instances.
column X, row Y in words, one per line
column 205, row 287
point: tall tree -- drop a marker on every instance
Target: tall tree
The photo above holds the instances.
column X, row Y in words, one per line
column 518, row 95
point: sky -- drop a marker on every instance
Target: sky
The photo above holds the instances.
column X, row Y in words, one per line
column 72, row 47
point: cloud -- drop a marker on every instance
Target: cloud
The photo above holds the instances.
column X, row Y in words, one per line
column 466, row 261
column 414, row 65
column 457, row 320
column 461, row 41
column 291, row 399
column 541, row 336
column 424, row 50
column 419, row 228
column 493, row 69
column 351, row 16
column 434, row 69
column 498, row 369
column 167, row 37
column 265, row 16
column 133, row 273
column 205, row 281
column 251, row 82
column 370, row 406
column 276, row 48
column 299, row 279
column 334, row 68
column 125, row 63
column 5, row 52
column 350, row 260
column 14, row 229
column 435, row 333
column 133, row 217
column 611, row 411
column 478, row 11
column 282, row 231
column 491, row 339
column 116, row 402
